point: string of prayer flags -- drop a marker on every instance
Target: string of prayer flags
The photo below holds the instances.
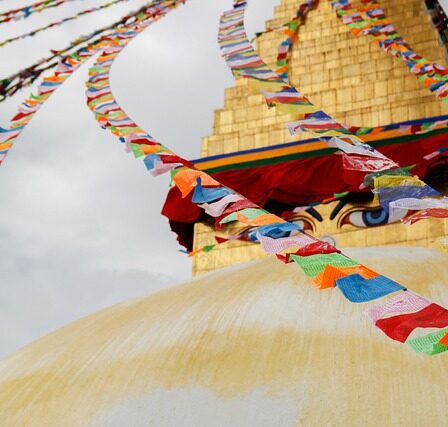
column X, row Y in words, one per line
column 61, row 22
column 284, row 49
column 26, row 11
column 319, row 123
column 83, row 45
column 290, row 101
column 349, row 16
column 250, row 65
column 290, row 30
column 384, row 34
column 430, row 344
column 161, row 168
column 414, row 129
column 31, row 105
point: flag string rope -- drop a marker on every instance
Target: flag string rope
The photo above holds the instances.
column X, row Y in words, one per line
column 65, row 67
column 290, row 30
column 13, row 83
column 384, row 35
column 61, row 22
column 26, row 11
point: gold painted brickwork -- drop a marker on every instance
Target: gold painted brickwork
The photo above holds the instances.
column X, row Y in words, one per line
column 351, row 79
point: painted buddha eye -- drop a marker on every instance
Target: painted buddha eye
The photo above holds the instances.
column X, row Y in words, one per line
column 371, row 217
column 304, row 224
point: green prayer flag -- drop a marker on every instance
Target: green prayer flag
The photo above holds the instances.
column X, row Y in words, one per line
column 368, row 179
column 360, row 24
column 312, row 265
column 137, row 150
column 282, row 62
column 429, row 344
column 249, row 213
column 340, row 195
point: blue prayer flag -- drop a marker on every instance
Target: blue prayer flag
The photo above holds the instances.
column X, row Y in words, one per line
column 357, row 289
column 206, row 195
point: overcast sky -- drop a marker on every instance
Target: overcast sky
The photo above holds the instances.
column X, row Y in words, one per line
column 81, row 227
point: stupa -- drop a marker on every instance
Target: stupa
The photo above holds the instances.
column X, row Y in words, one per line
column 254, row 344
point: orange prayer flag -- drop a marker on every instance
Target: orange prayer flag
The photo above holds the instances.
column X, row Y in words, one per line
column 356, row 31
column 32, row 102
column 282, row 69
column 259, row 220
column 149, row 149
column 106, row 57
column 56, row 79
column 430, row 81
column 5, row 146
column 444, row 340
column 330, row 274
column 195, row 252
column 185, row 180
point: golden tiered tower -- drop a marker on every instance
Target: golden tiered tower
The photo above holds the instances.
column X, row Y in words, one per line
column 351, row 79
